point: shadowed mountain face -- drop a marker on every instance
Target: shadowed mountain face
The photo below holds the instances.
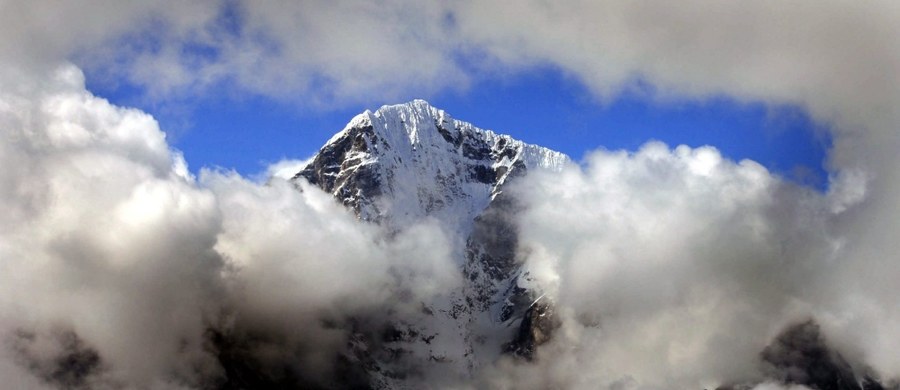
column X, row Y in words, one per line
column 801, row 356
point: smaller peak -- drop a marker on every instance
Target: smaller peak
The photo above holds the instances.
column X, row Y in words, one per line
column 362, row 119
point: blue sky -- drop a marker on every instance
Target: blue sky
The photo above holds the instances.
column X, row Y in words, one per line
column 542, row 106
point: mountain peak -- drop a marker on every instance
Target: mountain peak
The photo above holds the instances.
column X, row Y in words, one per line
column 406, row 161
column 416, row 111
column 415, row 117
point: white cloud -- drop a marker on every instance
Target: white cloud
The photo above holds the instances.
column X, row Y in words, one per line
column 318, row 53
column 837, row 61
column 669, row 268
column 104, row 239
column 285, row 169
column 112, row 254
column 676, row 267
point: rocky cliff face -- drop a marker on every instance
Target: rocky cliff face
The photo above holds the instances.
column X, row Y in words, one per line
column 800, row 356
column 404, row 163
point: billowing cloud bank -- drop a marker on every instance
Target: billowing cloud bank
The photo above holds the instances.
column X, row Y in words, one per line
column 670, row 267
column 117, row 264
column 676, row 268
column 838, row 61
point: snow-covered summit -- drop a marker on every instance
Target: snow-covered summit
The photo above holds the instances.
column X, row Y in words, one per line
column 403, row 163
column 406, row 161
column 425, row 124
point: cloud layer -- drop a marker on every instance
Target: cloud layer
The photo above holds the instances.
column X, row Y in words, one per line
column 836, row 61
